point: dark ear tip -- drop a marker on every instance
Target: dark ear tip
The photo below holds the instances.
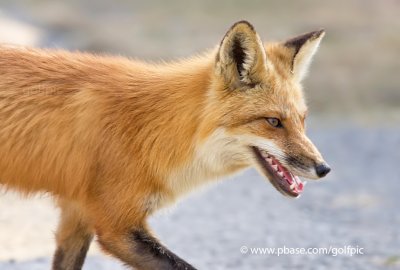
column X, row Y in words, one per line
column 241, row 22
column 319, row 33
column 299, row 41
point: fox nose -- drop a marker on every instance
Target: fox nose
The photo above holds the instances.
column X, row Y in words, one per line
column 322, row 169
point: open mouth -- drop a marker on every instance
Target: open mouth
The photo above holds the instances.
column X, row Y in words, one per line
column 280, row 177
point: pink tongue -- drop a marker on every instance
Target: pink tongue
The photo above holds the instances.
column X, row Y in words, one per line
column 290, row 178
column 300, row 186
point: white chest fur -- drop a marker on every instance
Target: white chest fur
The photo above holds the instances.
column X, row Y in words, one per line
column 215, row 157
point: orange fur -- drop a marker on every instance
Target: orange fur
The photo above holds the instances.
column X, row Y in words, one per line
column 115, row 139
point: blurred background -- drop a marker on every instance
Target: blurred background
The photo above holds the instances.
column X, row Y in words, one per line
column 354, row 99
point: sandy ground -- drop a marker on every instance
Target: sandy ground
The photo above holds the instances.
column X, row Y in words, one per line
column 357, row 205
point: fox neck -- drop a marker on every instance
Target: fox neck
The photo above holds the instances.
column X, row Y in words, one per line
column 198, row 150
column 174, row 125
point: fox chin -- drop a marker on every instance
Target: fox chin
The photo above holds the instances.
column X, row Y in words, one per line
column 113, row 140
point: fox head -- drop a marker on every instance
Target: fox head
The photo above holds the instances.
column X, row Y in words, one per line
column 258, row 95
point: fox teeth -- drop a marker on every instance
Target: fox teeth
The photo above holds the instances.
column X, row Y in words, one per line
column 275, row 167
column 292, row 186
column 280, row 174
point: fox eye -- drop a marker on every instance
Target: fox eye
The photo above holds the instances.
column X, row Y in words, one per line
column 275, row 122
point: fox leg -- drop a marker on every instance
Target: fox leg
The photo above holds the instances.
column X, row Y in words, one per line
column 73, row 238
column 139, row 249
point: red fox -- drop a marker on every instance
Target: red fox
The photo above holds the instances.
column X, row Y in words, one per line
column 113, row 140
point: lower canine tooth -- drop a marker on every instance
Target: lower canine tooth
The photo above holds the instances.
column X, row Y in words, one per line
column 280, row 174
column 275, row 167
column 292, row 186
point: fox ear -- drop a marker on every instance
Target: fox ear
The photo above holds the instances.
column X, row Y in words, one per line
column 241, row 56
column 303, row 49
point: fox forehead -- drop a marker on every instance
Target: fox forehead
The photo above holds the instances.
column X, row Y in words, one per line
column 286, row 98
column 276, row 96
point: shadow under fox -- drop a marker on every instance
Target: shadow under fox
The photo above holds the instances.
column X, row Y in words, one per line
column 114, row 140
